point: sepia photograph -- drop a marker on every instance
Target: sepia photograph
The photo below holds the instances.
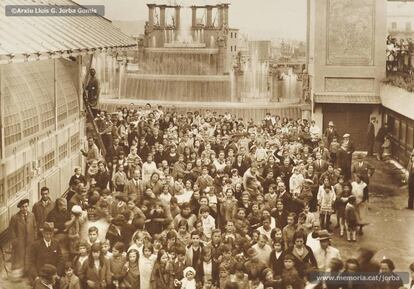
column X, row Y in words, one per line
column 207, row 144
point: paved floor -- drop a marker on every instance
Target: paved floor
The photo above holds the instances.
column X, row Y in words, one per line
column 391, row 229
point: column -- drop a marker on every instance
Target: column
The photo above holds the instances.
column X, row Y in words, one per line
column 220, row 16
column 151, row 10
column 209, row 16
column 194, row 16
column 162, row 16
column 221, row 56
column 225, row 14
column 177, row 16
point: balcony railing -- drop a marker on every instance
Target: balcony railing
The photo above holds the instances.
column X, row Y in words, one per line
column 400, row 63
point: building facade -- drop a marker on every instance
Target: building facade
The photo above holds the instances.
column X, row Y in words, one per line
column 41, row 111
column 400, row 21
column 346, row 63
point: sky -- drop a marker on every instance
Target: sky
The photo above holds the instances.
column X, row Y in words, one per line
column 261, row 19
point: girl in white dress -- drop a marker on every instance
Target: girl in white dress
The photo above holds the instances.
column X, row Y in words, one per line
column 146, row 264
column 361, row 205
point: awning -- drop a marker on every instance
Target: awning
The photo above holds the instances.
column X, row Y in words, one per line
column 37, row 37
column 348, row 98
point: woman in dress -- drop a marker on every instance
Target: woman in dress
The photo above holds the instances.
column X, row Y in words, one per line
column 95, row 271
column 358, row 187
column 146, row 264
column 162, row 274
column 131, row 270
column 303, row 256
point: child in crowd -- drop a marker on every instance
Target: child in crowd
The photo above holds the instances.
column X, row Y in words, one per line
column 289, row 230
column 351, row 219
column 105, row 247
column 326, row 200
column 81, row 258
column 69, row 280
column 93, row 234
column 208, row 222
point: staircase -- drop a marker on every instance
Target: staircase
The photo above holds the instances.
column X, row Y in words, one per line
column 91, row 126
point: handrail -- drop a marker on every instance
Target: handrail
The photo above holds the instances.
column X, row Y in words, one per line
column 89, row 110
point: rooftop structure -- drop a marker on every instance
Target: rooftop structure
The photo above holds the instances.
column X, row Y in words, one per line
column 31, row 38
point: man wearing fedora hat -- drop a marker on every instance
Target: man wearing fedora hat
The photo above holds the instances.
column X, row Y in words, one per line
column 364, row 170
column 344, row 156
column 47, row 277
column 325, row 253
column 45, row 250
column 23, row 231
column 330, row 133
column 116, row 230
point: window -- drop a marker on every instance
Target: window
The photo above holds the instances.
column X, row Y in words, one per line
column 15, row 182
column 48, row 161
column 235, row 34
column 396, row 130
column 394, row 25
column 28, row 174
column 235, row 48
column 403, row 134
column 231, row 48
column 63, row 151
column 2, row 192
column 74, row 143
column 408, row 26
column 30, row 121
column 410, row 137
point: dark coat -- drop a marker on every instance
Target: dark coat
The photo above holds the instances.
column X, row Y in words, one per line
column 99, row 276
column 102, row 179
column 41, row 211
column 81, row 178
column 277, row 264
column 113, row 235
column 281, row 219
column 162, row 277
column 366, row 170
column 306, row 262
column 22, row 235
column 215, row 271
column 329, row 135
column 371, row 133
column 41, row 255
column 320, row 166
column 275, row 169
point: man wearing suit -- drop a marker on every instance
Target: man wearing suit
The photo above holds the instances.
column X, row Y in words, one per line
column 371, row 137
column 23, row 232
column 330, row 133
column 344, row 156
column 365, row 170
column 45, row 251
column 116, row 231
column 325, row 154
column 320, row 165
column 193, row 255
column 362, row 168
column 115, row 150
column 134, row 188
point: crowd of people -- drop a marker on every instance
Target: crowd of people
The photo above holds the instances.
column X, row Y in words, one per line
column 200, row 201
column 399, row 55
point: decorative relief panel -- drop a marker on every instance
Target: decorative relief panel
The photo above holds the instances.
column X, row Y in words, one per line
column 349, row 84
column 350, row 32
